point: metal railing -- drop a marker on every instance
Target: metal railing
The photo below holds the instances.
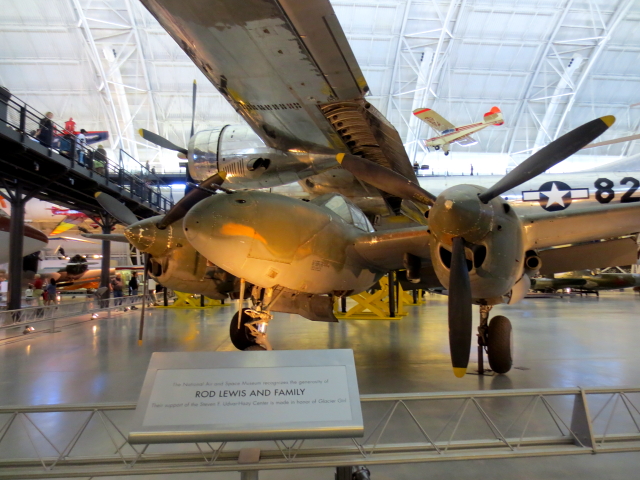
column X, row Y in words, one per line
column 45, row 318
column 127, row 172
column 90, row 440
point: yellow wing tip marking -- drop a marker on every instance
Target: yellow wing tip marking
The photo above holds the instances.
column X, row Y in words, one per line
column 459, row 372
column 340, row 157
column 608, row 120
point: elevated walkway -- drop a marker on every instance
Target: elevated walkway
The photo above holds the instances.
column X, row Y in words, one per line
column 58, row 176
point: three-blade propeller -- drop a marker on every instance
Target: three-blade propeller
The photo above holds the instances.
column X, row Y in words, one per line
column 460, row 299
column 163, row 142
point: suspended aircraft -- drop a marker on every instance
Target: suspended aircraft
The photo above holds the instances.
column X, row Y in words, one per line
column 34, row 239
column 72, row 219
column 449, row 133
column 78, row 274
column 287, row 68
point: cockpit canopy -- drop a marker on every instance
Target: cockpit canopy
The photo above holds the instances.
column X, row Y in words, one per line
column 345, row 209
column 448, row 131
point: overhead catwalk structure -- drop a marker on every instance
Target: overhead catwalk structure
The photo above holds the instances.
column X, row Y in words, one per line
column 29, row 168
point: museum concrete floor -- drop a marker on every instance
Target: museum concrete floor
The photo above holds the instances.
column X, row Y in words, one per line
column 568, row 342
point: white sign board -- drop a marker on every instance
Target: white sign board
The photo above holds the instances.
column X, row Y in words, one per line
column 224, row 396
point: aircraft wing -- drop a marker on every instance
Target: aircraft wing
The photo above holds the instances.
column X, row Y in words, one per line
column 67, row 223
column 110, row 237
column 466, row 141
column 274, row 61
column 287, row 68
column 433, row 119
column 386, row 249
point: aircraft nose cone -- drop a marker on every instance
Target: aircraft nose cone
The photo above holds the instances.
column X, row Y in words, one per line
column 219, row 227
column 459, row 213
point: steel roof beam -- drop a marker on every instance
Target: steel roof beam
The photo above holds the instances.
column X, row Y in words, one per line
column 620, row 13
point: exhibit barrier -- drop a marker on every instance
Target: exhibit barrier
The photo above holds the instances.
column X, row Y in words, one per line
column 48, row 318
column 91, row 440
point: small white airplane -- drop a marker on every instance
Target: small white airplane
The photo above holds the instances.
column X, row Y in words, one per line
column 449, row 133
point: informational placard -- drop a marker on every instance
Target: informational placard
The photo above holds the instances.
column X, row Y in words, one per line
column 228, row 396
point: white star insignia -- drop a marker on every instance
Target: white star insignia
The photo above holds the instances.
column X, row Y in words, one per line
column 555, row 196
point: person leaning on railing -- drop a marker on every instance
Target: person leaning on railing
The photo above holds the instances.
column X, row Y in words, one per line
column 100, row 160
column 81, row 145
column 45, row 130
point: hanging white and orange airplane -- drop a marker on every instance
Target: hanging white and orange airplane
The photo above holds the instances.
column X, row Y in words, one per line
column 451, row 134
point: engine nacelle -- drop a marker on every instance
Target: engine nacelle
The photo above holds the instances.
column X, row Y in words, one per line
column 249, row 163
column 532, row 263
column 493, row 241
column 175, row 263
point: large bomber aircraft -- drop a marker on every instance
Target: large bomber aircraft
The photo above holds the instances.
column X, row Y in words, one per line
column 287, row 68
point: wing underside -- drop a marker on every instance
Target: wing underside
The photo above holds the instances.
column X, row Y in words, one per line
column 466, row 141
column 287, row 68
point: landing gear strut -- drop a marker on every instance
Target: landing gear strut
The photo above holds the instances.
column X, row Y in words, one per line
column 248, row 329
column 496, row 337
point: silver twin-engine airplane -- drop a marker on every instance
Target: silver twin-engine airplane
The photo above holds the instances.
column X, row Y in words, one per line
column 287, row 69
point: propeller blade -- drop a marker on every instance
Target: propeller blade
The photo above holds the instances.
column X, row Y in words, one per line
column 161, row 141
column 547, row 157
column 116, row 209
column 193, row 109
column 384, row 179
column 180, row 209
column 109, row 237
column 460, row 320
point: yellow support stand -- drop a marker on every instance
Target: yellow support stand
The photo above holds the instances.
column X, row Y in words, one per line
column 190, row 300
column 373, row 306
column 408, row 297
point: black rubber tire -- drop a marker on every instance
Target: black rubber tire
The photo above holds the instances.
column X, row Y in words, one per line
column 446, row 153
column 256, row 347
column 499, row 344
column 344, row 473
column 240, row 337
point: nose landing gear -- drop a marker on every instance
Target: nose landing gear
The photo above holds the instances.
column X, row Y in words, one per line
column 496, row 338
column 248, row 329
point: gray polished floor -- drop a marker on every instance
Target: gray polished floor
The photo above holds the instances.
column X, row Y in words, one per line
column 579, row 341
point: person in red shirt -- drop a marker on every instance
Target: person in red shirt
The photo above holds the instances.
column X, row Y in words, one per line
column 37, row 289
column 70, row 126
